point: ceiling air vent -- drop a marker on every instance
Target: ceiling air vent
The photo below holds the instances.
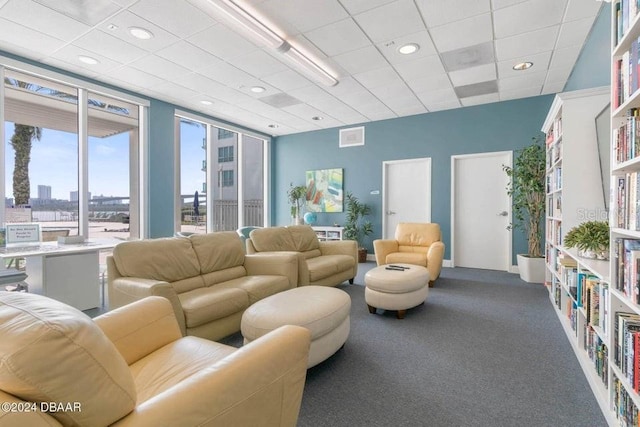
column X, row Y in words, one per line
column 351, row 137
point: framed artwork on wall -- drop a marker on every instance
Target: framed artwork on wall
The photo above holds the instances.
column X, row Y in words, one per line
column 324, row 190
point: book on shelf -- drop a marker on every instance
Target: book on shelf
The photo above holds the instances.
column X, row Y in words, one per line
column 626, row 257
column 627, row 208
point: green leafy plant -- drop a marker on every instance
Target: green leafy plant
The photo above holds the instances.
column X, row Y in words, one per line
column 357, row 227
column 527, row 189
column 590, row 236
column 296, row 195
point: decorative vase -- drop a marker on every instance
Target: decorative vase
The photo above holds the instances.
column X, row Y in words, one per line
column 532, row 270
column 298, row 221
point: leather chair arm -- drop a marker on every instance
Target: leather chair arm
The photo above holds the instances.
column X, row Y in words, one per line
column 274, row 263
column 382, row 248
column 137, row 288
column 435, row 255
column 261, row 384
column 21, row 418
column 140, row 328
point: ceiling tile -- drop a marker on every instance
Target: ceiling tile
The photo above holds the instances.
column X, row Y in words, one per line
column 187, row 55
column 222, row 42
column 227, row 74
column 125, row 20
column 558, row 74
column 338, row 37
column 73, row 68
column 392, row 20
column 70, row 54
column 309, row 93
column 499, row 4
column 361, row 60
column 430, row 83
column 476, row 89
column 480, row 99
column 540, row 61
column 406, row 101
column 578, row 9
column 90, row 14
column 520, row 93
column 358, row 6
column 420, row 67
column 160, row 67
column 43, row 19
column 574, row 33
column 460, row 34
column 378, row 77
column 258, row 63
column 422, row 38
column 135, row 76
column 527, row 16
column 175, row 91
column 287, row 80
column 565, row 57
column 347, row 85
column 392, row 90
column 527, row 43
column 437, row 96
column 438, row 13
column 165, row 13
column 304, row 15
column 28, row 38
column 553, row 87
column 467, row 57
column 481, row 73
column 410, row 110
column 528, row 80
column 110, row 47
column 440, row 106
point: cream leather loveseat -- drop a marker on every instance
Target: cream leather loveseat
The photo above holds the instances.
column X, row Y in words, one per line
column 132, row 367
column 319, row 263
column 207, row 278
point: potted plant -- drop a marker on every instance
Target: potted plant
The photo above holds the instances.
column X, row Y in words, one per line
column 527, row 189
column 356, row 227
column 591, row 238
column 296, row 195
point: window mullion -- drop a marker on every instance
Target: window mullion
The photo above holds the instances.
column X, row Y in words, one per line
column 83, row 164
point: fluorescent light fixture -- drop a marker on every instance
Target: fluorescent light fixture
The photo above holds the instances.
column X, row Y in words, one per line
column 140, row 33
column 253, row 27
column 250, row 23
column 88, row 60
column 523, row 66
column 313, row 70
column 409, row 48
column 205, row 102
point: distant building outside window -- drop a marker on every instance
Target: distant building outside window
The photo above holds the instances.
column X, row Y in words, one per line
column 223, row 133
column 225, row 154
column 226, row 178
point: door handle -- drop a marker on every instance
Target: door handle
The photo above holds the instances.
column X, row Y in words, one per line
column 503, row 213
column 391, row 213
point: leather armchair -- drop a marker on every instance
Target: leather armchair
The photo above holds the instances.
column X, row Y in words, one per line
column 414, row 243
column 132, row 367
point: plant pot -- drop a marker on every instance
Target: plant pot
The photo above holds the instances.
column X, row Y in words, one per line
column 297, row 221
column 532, row 270
column 602, row 255
column 362, row 255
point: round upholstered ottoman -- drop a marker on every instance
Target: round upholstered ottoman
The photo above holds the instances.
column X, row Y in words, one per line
column 396, row 289
column 322, row 310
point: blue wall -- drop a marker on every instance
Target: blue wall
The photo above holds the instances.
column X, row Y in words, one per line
column 592, row 68
column 501, row 126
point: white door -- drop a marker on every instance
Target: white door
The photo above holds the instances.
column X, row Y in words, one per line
column 406, row 193
column 480, row 211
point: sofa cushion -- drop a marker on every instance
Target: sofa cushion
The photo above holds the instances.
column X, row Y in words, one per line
column 217, row 251
column 102, row 383
column 207, row 304
column 328, row 265
column 222, row 276
column 272, row 239
column 304, row 238
column 259, row 287
column 167, row 259
column 175, row 362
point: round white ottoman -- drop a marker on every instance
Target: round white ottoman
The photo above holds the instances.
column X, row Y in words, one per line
column 396, row 290
column 322, row 310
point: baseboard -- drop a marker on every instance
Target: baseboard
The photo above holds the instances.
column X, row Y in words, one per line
column 514, row 269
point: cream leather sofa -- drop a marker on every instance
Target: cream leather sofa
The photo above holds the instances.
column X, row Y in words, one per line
column 132, row 367
column 414, row 243
column 319, row 263
column 207, row 278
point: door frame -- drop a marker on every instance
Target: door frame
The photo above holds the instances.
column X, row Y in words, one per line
column 385, row 165
column 509, row 261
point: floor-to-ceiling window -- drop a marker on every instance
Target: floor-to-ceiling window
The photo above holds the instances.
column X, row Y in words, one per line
column 49, row 162
column 232, row 176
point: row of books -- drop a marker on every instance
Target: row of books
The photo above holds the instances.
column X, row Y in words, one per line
column 626, row 253
column 554, row 180
column 627, row 346
column 626, row 75
column 626, row 138
column 553, row 232
column 626, row 212
column 598, row 354
column 587, row 292
column 554, row 205
column 625, row 409
column 625, row 12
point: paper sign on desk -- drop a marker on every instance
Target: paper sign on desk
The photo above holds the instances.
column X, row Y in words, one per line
column 24, row 234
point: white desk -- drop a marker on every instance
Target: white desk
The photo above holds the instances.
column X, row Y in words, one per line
column 67, row 273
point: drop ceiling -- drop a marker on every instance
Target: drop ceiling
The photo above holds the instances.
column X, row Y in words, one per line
column 467, row 51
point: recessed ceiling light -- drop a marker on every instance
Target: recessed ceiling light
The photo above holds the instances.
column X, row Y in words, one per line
column 257, row 89
column 112, row 27
column 272, row 126
column 523, row 66
column 140, row 33
column 409, row 48
column 205, row 102
column 317, row 118
column 88, row 60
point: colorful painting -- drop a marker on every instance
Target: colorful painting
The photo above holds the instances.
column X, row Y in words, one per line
column 324, row 190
